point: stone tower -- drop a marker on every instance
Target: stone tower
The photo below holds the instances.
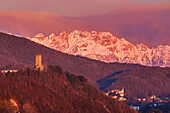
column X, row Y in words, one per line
column 38, row 62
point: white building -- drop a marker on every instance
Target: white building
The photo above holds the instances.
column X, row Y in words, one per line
column 6, row 71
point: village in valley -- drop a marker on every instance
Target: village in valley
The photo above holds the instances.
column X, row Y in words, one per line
column 153, row 101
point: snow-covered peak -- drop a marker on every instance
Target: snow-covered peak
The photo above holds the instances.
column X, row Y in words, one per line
column 141, row 46
column 76, row 32
column 64, row 33
column 105, row 47
column 93, row 32
column 160, row 47
column 38, row 38
column 52, row 35
column 39, row 35
column 123, row 39
column 105, row 34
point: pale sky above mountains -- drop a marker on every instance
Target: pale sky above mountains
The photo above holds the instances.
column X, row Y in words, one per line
column 73, row 7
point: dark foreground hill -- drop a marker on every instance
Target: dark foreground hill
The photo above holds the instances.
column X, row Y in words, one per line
column 138, row 81
column 54, row 91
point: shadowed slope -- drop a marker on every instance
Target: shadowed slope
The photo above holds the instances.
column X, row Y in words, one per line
column 108, row 80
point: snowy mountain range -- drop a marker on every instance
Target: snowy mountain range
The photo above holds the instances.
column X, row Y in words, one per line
column 105, row 47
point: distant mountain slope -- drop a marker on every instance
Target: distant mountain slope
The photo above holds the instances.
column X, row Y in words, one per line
column 16, row 53
column 53, row 91
column 105, row 47
column 147, row 25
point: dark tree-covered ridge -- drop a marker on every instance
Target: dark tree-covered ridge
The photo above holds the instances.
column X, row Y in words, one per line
column 55, row 91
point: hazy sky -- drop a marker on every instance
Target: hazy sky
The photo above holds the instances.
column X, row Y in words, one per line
column 72, row 7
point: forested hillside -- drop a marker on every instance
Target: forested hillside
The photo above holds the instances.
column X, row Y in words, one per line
column 54, row 91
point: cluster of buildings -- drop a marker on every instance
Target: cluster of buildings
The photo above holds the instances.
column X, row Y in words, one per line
column 150, row 99
column 153, row 102
column 6, row 71
column 38, row 65
column 117, row 94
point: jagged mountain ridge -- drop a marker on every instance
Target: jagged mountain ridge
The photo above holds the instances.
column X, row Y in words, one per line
column 105, row 47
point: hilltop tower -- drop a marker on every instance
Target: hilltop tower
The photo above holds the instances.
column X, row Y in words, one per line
column 38, row 62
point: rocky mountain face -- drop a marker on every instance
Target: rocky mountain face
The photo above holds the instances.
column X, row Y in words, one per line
column 105, row 47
